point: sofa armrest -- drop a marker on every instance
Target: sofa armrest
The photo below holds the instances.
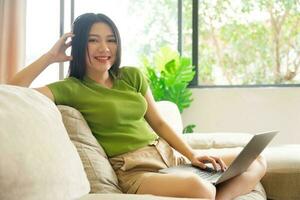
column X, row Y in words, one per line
column 282, row 180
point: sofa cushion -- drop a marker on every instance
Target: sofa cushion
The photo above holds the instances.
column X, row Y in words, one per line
column 258, row 193
column 100, row 174
column 38, row 160
column 282, row 180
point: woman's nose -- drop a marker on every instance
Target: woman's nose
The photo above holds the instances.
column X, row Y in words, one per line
column 103, row 47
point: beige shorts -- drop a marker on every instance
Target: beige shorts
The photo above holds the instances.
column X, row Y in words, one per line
column 132, row 167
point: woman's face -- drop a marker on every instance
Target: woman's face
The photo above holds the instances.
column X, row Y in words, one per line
column 101, row 48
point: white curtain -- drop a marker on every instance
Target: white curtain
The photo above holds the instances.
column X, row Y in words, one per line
column 12, row 37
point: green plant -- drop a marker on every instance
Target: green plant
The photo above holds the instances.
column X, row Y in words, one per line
column 169, row 77
column 189, row 128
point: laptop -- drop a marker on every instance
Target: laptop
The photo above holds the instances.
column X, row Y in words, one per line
column 241, row 163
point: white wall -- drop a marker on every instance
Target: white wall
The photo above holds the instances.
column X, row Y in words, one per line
column 247, row 110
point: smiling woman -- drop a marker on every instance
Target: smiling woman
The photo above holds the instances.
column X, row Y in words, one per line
column 102, row 43
column 99, row 53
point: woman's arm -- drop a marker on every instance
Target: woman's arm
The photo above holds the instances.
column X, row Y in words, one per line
column 158, row 124
column 56, row 54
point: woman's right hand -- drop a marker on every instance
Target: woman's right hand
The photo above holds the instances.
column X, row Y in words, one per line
column 200, row 161
column 58, row 52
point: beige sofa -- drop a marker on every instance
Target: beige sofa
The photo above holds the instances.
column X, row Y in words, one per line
column 49, row 152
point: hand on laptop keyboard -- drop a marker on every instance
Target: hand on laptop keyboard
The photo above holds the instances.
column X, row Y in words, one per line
column 210, row 168
column 203, row 161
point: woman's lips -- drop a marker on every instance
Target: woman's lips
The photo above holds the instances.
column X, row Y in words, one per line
column 102, row 59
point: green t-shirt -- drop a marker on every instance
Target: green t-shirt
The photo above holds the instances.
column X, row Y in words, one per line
column 116, row 115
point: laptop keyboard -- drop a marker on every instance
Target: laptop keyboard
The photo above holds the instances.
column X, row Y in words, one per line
column 209, row 175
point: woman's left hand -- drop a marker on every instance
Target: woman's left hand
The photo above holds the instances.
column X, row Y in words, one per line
column 199, row 161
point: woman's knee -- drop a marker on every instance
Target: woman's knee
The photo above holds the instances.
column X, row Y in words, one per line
column 198, row 188
column 262, row 162
column 258, row 168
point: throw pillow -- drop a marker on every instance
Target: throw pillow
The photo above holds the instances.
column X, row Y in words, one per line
column 101, row 176
column 37, row 158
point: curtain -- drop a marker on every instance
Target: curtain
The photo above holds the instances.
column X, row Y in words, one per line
column 12, row 37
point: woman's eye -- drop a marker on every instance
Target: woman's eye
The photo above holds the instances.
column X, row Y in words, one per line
column 112, row 40
column 92, row 40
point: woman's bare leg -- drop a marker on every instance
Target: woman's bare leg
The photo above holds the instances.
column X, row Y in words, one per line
column 191, row 186
column 177, row 185
column 243, row 183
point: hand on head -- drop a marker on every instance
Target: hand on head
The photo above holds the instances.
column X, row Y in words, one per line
column 58, row 51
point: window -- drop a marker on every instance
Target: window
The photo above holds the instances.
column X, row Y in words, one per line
column 42, row 31
column 249, row 42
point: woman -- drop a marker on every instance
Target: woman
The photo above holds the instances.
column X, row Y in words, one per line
column 117, row 104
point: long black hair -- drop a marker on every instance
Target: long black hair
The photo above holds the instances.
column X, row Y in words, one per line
column 81, row 28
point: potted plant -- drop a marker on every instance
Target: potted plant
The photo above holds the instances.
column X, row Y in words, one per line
column 169, row 76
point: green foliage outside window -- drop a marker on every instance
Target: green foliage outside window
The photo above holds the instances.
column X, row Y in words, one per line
column 249, row 42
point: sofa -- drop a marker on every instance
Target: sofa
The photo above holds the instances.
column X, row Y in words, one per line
column 49, row 152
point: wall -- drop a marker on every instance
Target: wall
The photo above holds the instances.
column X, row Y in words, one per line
column 249, row 110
